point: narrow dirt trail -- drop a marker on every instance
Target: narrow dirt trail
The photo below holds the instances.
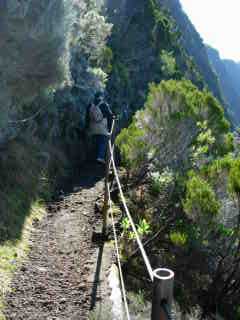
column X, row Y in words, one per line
column 56, row 282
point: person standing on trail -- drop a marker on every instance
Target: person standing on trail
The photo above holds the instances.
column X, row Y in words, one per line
column 98, row 124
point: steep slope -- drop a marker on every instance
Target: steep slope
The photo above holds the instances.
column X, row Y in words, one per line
column 154, row 40
column 193, row 43
column 146, row 48
column 229, row 76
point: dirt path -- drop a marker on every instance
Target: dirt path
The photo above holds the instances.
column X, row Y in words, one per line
column 58, row 280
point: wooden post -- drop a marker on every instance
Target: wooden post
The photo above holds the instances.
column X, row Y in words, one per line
column 106, row 193
column 107, row 172
column 163, row 283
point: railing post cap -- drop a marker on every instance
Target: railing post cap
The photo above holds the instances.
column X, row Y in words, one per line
column 163, row 274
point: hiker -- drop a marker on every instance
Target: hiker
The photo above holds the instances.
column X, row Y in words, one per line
column 98, row 124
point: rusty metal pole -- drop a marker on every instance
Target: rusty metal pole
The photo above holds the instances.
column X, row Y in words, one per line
column 163, row 283
column 107, row 173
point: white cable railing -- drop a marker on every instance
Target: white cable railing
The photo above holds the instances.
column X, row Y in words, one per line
column 139, row 242
column 119, row 260
column 162, row 278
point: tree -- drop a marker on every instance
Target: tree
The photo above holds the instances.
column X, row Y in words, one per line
column 170, row 125
column 38, row 40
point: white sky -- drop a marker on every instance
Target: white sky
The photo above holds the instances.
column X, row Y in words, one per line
column 218, row 22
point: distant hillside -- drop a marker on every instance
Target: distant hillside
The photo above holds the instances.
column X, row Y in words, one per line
column 228, row 73
column 233, row 70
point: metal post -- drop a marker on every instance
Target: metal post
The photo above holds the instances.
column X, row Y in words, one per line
column 163, row 283
column 107, row 173
column 106, row 192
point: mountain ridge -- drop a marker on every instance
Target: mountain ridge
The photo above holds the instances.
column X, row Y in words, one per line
column 228, row 73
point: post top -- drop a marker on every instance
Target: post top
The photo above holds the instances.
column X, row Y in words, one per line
column 163, row 274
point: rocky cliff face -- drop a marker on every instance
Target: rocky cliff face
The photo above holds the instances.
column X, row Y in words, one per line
column 193, row 43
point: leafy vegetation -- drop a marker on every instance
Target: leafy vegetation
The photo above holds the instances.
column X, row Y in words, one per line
column 36, row 57
column 170, row 124
column 201, row 203
column 161, row 181
column 168, row 64
column 143, row 228
column 180, row 148
column 178, row 238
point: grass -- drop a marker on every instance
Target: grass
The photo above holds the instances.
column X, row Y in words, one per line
column 13, row 252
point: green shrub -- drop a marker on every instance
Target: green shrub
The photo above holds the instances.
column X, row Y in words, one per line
column 168, row 126
column 234, row 178
column 159, row 182
column 168, row 64
column 133, row 149
column 178, row 238
column 200, row 202
column 143, row 228
column 106, row 59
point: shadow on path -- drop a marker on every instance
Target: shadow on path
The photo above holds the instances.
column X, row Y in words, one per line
column 97, row 276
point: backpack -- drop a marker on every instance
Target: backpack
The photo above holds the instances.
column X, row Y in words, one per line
column 95, row 113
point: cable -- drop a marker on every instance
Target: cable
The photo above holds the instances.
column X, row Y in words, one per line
column 118, row 258
column 27, row 119
column 145, row 258
column 164, row 304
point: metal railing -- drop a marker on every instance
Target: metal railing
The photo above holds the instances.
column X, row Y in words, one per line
column 162, row 278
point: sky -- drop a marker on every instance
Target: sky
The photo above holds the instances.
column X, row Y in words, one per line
column 218, row 22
